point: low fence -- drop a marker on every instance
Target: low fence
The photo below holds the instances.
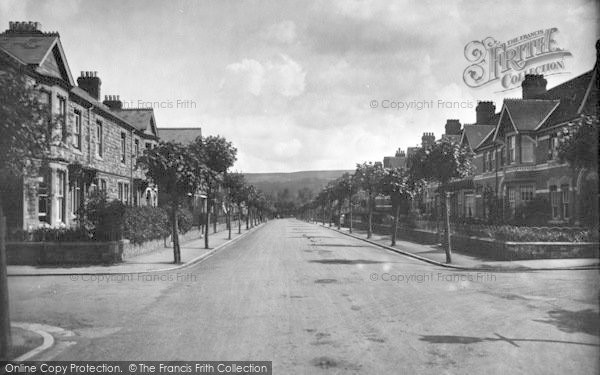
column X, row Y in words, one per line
column 53, row 253
column 494, row 249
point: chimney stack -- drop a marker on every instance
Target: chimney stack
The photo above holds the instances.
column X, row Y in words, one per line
column 452, row 127
column 90, row 82
column 485, row 112
column 24, row 27
column 113, row 102
column 534, row 86
column 427, row 140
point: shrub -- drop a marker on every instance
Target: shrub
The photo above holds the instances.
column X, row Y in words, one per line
column 185, row 219
column 534, row 212
column 143, row 224
column 102, row 218
column 52, row 234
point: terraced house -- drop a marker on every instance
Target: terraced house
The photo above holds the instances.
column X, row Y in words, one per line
column 98, row 141
column 516, row 152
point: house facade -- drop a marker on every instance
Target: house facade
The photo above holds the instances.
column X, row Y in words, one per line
column 96, row 143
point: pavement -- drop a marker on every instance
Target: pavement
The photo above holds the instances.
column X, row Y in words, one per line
column 191, row 252
column 315, row 301
column 435, row 254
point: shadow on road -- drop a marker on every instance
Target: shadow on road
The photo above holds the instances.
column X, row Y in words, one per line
column 584, row 321
column 451, row 339
column 345, row 261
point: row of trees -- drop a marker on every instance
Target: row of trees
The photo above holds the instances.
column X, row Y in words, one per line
column 440, row 163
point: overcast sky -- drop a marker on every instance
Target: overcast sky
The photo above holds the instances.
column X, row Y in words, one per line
column 290, row 83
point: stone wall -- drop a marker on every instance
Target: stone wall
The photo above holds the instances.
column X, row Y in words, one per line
column 63, row 253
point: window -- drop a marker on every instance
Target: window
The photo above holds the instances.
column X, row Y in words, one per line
column 502, row 156
column 493, row 160
column 75, row 197
column 564, row 190
column 554, row 202
column 485, row 161
column 512, row 197
column 553, row 147
column 148, row 145
column 527, row 192
column 43, row 201
column 137, row 151
column 62, row 115
column 103, row 185
column 99, row 138
column 77, row 131
column 123, row 147
column 123, row 192
column 60, row 195
column 527, row 150
column 126, row 197
column 512, row 149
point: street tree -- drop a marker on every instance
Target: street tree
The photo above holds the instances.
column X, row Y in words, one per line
column 235, row 183
column 578, row 146
column 368, row 176
column 396, row 184
column 440, row 163
column 175, row 170
column 217, row 156
column 26, row 133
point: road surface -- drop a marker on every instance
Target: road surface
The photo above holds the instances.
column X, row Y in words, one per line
column 314, row 301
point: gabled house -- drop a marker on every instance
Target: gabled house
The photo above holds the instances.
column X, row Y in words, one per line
column 95, row 147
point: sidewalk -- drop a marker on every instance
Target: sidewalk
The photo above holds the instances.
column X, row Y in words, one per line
column 436, row 254
column 191, row 252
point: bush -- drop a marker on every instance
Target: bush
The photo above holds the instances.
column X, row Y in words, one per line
column 534, row 212
column 52, row 234
column 143, row 224
column 102, row 218
column 185, row 219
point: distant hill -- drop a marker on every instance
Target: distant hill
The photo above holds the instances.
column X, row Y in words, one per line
column 273, row 183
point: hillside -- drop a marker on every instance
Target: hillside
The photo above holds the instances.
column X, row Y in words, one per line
column 272, row 183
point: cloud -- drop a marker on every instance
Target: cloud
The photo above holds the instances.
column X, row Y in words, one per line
column 279, row 76
column 283, row 32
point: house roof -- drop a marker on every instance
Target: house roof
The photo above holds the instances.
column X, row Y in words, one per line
column 141, row 118
column 529, row 114
column 474, row 134
column 43, row 51
column 179, row 135
column 575, row 95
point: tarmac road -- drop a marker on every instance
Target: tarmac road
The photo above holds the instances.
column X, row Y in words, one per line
column 314, row 301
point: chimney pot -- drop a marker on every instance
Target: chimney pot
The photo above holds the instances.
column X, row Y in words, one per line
column 533, row 86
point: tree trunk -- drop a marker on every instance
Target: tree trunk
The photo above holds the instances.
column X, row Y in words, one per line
column 239, row 219
column 395, row 228
column 370, row 210
column 339, row 223
column 448, row 246
column 350, row 204
column 175, row 235
column 5, row 339
column 206, row 222
column 215, row 217
column 247, row 218
column 229, row 221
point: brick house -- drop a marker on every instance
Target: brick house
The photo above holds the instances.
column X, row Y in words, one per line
column 515, row 152
column 98, row 142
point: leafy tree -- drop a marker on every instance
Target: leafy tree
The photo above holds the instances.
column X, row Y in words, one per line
column 440, row 163
column 217, row 156
column 175, row 170
column 368, row 176
column 578, row 143
column 235, row 184
column 26, row 128
column 578, row 146
column 397, row 185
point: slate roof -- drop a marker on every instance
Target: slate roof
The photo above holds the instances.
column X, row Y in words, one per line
column 29, row 49
column 529, row 114
column 140, row 118
column 475, row 134
column 180, row 135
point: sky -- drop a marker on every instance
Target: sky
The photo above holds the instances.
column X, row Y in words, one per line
column 303, row 85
